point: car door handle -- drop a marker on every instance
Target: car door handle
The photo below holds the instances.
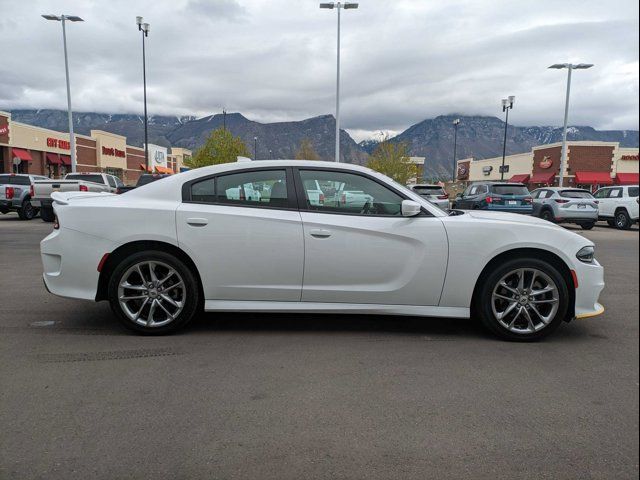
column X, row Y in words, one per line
column 320, row 233
column 197, row 222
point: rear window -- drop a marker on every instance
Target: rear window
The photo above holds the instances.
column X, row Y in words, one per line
column 633, row 191
column 510, row 190
column 85, row 177
column 429, row 190
column 16, row 180
column 575, row 194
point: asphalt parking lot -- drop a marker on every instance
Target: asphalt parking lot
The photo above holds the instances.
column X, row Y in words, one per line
column 307, row 396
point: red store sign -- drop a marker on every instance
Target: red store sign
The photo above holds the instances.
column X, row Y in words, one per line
column 4, row 130
column 55, row 143
column 546, row 163
column 113, row 152
column 624, row 157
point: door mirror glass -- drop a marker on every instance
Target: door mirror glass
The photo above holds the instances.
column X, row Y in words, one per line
column 410, row 208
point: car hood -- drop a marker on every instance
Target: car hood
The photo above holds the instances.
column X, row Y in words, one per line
column 510, row 217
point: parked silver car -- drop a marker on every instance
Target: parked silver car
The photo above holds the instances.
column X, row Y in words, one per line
column 16, row 194
column 434, row 193
column 566, row 205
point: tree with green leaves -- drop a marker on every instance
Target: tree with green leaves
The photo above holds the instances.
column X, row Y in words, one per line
column 306, row 151
column 220, row 147
column 392, row 159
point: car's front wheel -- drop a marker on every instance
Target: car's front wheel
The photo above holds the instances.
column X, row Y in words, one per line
column 153, row 293
column 523, row 299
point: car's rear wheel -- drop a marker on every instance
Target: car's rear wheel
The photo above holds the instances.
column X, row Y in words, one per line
column 588, row 225
column 623, row 222
column 523, row 299
column 547, row 215
column 26, row 210
column 153, row 293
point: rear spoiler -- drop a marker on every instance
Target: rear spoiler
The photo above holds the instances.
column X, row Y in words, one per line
column 63, row 198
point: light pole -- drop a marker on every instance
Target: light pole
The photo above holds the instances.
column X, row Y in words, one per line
column 456, row 122
column 570, row 67
column 507, row 104
column 255, row 148
column 338, row 6
column 144, row 28
column 63, row 19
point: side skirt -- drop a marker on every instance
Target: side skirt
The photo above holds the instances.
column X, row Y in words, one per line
column 342, row 308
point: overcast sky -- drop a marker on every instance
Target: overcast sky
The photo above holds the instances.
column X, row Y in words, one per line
column 402, row 61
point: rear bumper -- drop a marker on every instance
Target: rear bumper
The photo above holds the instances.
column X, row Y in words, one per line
column 9, row 205
column 576, row 216
column 40, row 202
column 70, row 260
column 503, row 208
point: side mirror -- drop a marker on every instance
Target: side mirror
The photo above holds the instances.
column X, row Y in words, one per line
column 410, row 208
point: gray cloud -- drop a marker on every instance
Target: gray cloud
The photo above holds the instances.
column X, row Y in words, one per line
column 274, row 60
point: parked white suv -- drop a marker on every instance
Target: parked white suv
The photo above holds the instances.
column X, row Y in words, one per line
column 618, row 205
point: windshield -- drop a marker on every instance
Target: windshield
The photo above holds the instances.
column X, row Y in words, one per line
column 85, row 177
column 576, row 194
column 510, row 190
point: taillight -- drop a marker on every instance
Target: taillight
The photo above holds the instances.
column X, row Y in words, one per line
column 443, row 197
column 9, row 193
column 56, row 223
column 528, row 200
column 491, row 199
column 83, row 188
column 31, row 191
column 561, row 200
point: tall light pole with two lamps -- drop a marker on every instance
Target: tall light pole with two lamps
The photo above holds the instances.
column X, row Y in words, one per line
column 338, row 6
column 456, row 122
column 144, row 28
column 507, row 104
column 63, row 19
column 570, row 67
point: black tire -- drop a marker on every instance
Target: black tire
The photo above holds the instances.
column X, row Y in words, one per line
column 547, row 215
column 483, row 299
column 47, row 214
column 611, row 223
column 191, row 300
column 588, row 226
column 4, row 211
column 26, row 210
column 622, row 220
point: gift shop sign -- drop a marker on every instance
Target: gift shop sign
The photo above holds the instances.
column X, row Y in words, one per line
column 113, row 152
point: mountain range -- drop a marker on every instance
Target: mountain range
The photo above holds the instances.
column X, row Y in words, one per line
column 478, row 136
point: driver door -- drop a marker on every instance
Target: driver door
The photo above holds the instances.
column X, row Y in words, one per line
column 360, row 249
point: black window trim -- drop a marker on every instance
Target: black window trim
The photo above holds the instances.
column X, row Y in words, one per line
column 302, row 201
column 291, row 192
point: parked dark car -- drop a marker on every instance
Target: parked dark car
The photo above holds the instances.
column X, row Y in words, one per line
column 497, row 196
column 143, row 180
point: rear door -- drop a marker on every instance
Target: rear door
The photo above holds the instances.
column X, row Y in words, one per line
column 369, row 254
column 604, row 203
column 245, row 248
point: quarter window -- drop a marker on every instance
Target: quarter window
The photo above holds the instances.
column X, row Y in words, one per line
column 347, row 193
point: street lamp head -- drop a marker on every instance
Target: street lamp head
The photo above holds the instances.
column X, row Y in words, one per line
column 505, row 102
column 348, row 5
column 456, row 121
column 145, row 28
column 52, row 17
column 583, row 66
column 512, row 99
column 139, row 22
column 73, row 18
column 559, row 66
column 328, row 5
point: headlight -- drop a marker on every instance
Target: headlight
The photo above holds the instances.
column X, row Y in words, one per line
column 586, row 254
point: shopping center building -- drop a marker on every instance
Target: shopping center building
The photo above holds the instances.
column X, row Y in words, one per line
column 28, row 149
column 589, row 165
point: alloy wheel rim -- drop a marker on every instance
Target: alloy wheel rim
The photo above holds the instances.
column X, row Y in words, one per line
column 621, row 220
column 151, row 294
column 525, row 300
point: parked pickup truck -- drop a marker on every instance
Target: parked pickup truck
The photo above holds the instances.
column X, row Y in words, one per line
column 73, row 182
column 16, row 194
column 143, row 180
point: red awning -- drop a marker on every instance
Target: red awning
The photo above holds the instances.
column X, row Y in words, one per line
column 66, row 160
column 524, row 178
column 53, row 159
column 593, row 178
column 164, row 170
column 22, row 154
column 544, row 178
column 144, row 167
column 627, row 178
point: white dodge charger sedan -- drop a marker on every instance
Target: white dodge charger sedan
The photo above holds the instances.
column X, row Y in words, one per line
column 194, row 241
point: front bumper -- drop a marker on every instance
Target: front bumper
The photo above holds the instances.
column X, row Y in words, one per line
column 590, row 284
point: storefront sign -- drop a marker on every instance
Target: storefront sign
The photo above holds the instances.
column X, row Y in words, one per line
column 61, row 144
column 545, row 163
column 4, row 130
column 487, row 170
column 624, row 157
column 113, row 152
column 157, row 155
column 462, row 171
